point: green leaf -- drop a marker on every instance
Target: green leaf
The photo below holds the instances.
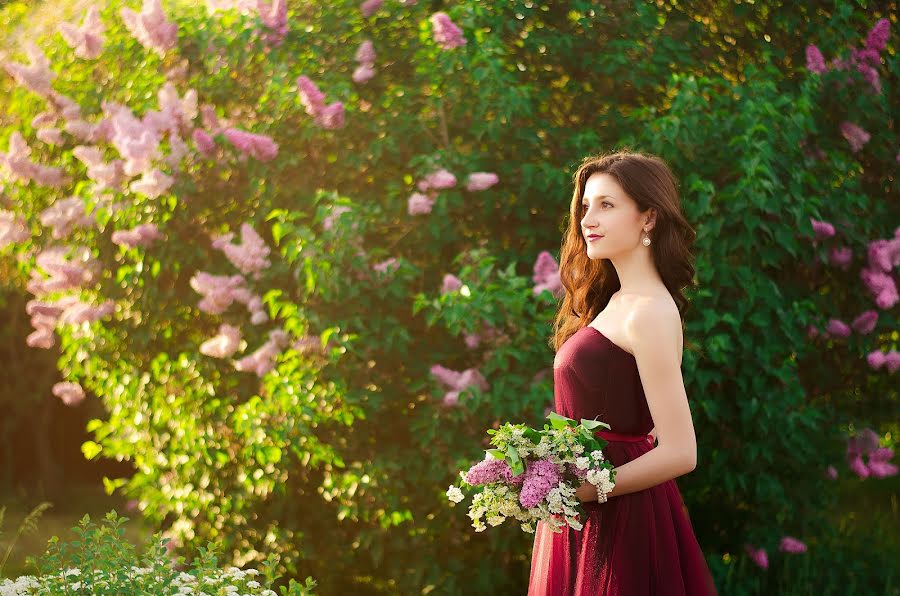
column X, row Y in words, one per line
column 90, row 449
column 560, row 422
column 515, row 462
column 496, row 453
column 592, row 424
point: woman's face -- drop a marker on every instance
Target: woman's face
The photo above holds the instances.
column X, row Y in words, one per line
column 607, row 211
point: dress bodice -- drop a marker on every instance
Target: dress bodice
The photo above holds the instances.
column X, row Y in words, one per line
column 595, row 378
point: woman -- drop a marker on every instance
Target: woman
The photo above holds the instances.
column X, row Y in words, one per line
column 625, row 259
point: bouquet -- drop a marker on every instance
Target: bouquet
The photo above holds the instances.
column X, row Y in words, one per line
column 532, row 475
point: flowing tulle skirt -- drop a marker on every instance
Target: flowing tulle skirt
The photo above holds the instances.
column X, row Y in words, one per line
column 638, row 544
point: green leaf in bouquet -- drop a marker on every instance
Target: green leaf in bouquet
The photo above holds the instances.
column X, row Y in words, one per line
column 560, row 422
column 532, row 435
column 515, row 462
column 498, row 454
column 592, row 424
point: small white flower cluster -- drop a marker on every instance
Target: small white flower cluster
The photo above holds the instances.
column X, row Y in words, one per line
column 111, row 582
column 600, row 479
column 562, row 501
column 496, row 505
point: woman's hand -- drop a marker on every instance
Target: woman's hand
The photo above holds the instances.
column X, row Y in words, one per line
column 586, row 492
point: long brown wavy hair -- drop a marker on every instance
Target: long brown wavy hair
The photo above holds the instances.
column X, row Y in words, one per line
column 590, row 283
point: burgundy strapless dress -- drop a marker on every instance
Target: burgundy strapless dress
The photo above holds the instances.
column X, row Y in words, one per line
column 637, row 544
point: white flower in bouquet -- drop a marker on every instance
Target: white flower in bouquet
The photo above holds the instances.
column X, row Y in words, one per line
column 583, row 463
column 496, row 520
column 454, row 494
column 597, row 455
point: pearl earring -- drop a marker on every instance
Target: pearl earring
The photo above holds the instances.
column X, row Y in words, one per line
column 646, row 240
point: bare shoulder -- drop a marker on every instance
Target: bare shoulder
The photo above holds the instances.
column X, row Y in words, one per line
column 654, row 323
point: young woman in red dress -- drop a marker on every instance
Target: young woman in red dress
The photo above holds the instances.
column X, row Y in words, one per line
column 618, row 339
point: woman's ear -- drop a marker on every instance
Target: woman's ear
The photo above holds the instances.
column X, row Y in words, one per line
column 650, row 219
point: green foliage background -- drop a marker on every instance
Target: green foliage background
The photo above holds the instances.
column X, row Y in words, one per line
column 339, row 461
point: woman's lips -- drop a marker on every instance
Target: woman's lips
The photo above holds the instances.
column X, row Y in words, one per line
column 593, row 237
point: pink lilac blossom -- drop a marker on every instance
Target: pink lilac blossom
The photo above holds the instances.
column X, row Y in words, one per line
column 857, row 466
column 363, row 73
column 136, row 141
column 83, row 312
column 438, row 180
column 878, row 463
column 419, row 204
column 790, row 544
column 451, row 283
column 822, row 229
column 878, row 35
column 866, row 443
column 332, row 116
column 141, row 235
column 856, row 136
column 487, row 471
column 106, row 175
column 250, row 256
column 86, row 40
column 13, row 229
column 883, row 257
column 365, row 56
column 218, row 291
column 472, row 340
column 224, row 344
column 44, row 317
column 313, row 100
column 51, row 136
column 481, row 181
column 837, row 328
column 210, row 119
column 451, row 398
column 150, row 27
column 541, row 476
column 259, row 147
column 865, row 323
column 841, row 256
column 274, row 17
column 71, row 394
column 37, row 75
column 831, row 473
column 153, row 183
column 370, row 7
column 446, row 34
column 882, row 286
column 263, row 359
column 64, row 215
column 17, row 163
column 205, row 143
column 175, row 111
column 546, row 274
column 365, row 53
column 66, row 271
column 391, row 264
column 492, row 470
column 815, row 62
column 884, row 254
column 758, row 556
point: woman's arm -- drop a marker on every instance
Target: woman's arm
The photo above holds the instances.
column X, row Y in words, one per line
column 655, row 335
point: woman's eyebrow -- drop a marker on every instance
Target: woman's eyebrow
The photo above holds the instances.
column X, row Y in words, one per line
column 600, row 197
